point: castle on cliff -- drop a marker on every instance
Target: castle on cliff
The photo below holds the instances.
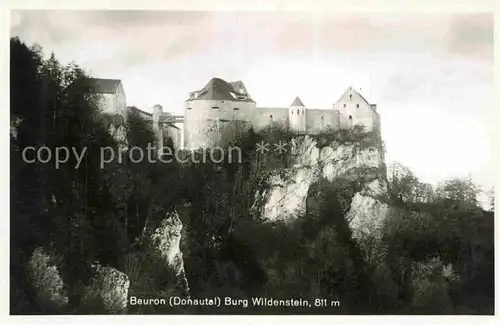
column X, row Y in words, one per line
column 218, row 112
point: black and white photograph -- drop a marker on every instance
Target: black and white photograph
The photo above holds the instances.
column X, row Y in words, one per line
column 245, row 162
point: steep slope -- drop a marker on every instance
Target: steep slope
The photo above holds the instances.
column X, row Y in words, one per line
column 317, row 160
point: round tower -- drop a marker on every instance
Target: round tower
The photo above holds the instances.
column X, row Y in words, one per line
column 212, row 114
column 297, row 116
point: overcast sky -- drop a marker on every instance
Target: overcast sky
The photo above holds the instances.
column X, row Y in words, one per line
column 431, row 75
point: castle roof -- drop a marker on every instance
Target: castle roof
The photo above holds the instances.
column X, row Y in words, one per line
column 238, row 85
column 140, row 112
column 218, row 89
column 361, row 96
column 297, row 102
column 103, row 86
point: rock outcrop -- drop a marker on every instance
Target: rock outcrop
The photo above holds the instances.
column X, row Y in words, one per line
column 119, row 134
column 46, row 280
column 117, row 128
column 166, row 241
column 108, row 291
column 14, row 126
column 287, row 190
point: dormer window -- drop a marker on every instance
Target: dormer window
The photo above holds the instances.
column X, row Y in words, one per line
column 238, row 96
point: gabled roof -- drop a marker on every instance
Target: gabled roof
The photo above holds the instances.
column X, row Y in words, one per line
column 357, row 93
column 139, row 111
column 103, row 86
column 297, row 102
column 218, row 89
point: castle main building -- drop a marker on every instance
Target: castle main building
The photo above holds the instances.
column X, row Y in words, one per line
column 217, row 113
column 221, row 109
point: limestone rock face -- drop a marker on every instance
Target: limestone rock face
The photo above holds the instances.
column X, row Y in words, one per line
column 108, row 290
column 117, row 128
column 46, row 280
column 304, row 152
column 166, row 240
column 14, row 126
column 287, row 197
column 287, row 191
column 119, row 134
column 336, row 159
column 367, row 211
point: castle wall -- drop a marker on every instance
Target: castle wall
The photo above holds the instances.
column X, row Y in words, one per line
column 121, row 102
column 114, row 103
column 174, row 134
column 318, row 120
column 212, row 122
column 209, row 123
column 265, row 116
column 107, row 103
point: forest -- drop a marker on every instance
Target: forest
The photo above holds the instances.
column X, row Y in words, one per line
column 436, row 253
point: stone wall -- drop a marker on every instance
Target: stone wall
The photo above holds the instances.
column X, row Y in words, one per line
column 318, row 120
column 204, row 119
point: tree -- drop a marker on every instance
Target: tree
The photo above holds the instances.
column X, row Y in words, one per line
column 402, row 183
column 459, row 189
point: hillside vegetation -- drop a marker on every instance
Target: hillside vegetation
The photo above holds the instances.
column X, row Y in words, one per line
column 433, row 256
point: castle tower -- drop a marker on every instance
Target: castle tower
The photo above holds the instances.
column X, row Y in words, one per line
column 157, row 127
column 297, row 116
column 213, row 114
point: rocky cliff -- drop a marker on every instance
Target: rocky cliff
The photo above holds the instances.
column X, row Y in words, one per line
column 291, row 192
column 316, row 160
column 166, row 241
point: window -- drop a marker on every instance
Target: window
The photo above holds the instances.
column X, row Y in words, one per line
column 215, row 107
column 350, row 96
column 270, row 116
column 345, row 105
column 357, row 105
column 321, row 117
column 298, row 111
column 350, row 117
column 188, row 107
column 236, row 109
